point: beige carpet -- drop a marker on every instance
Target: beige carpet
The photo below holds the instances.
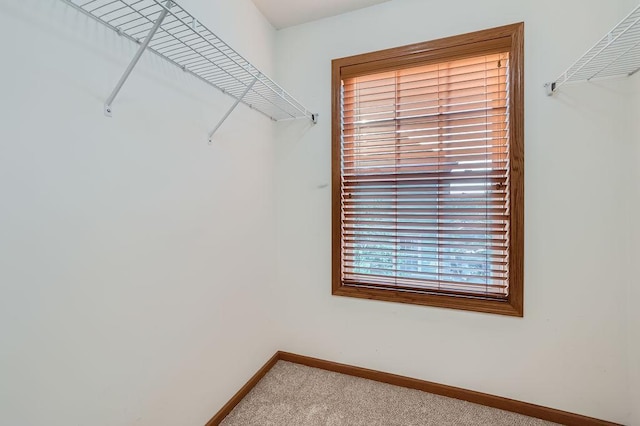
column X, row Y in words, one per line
column 295, row 395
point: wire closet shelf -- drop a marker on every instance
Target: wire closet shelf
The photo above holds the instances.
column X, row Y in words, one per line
column 617, row 54
column 168, row 30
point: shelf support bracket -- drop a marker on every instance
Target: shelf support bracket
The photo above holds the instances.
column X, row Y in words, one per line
column 235, row 104
column 551, row 88
column 136, row 58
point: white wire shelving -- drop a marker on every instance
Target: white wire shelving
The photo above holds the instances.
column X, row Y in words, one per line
column 617, row 54
column 168, row 30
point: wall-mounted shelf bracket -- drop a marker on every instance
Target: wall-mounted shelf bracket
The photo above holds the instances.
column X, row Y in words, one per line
column 617, row 54
column 136, row 57
column 235, row 104
column 551, row 87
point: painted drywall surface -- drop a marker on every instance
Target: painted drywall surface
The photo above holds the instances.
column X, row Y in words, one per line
column 634, row 255
column 136, row 265
column 568, row 351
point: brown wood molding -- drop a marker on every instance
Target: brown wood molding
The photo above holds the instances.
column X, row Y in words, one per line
column 235, row 399
column 508, row 38
column 531, row 410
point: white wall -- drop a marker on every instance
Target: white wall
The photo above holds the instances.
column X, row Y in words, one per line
column 125, row 295
column 569, row 350
column 136, row 265
column 634, row 254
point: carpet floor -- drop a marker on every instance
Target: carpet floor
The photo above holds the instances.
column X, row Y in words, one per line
column 296, row 395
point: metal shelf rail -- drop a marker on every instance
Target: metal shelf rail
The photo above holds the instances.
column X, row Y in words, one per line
column 168, row 30
column 616, row 54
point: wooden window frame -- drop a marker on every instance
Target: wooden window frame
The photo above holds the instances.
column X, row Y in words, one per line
column 510, row 37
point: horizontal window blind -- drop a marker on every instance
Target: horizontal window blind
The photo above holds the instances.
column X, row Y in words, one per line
column 425, row 178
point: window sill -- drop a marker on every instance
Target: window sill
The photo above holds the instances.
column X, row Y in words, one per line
column 509, row 307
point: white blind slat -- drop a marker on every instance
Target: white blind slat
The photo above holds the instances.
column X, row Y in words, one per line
column 425, row 177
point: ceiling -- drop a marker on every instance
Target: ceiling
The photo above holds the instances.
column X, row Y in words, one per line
column 286, row 13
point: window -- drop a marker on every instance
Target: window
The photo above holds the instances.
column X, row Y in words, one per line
column 428, row 173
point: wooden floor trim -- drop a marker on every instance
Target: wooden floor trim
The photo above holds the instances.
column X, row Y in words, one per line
column 235, row 399
column 531, row 410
